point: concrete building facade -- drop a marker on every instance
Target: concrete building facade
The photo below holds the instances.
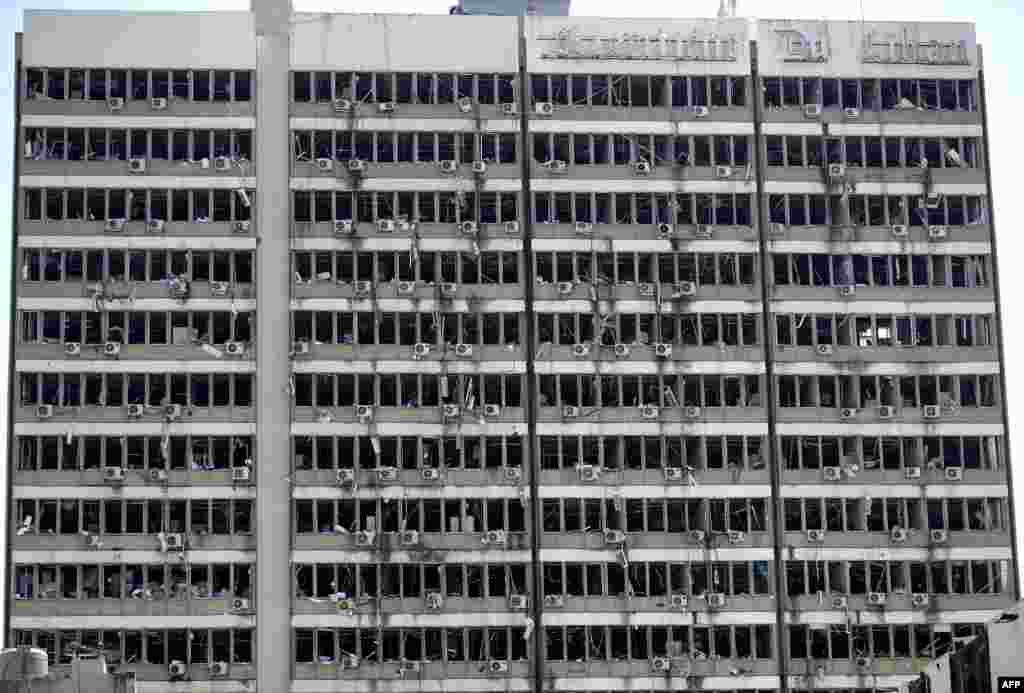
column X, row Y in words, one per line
column 389, row 353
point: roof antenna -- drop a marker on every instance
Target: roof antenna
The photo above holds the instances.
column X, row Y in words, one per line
column 726, row 8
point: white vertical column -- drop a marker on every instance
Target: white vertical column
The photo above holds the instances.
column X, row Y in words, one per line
column 273, row 656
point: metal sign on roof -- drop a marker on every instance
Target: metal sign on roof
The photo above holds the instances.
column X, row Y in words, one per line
column 697, row 46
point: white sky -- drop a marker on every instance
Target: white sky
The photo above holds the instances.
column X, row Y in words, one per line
column 1000, row 28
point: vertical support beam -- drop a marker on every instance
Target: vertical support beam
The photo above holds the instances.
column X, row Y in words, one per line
column 760, row 218
column 273, row 347
column 9, row 518
column 532, row 444
column 1003, row 394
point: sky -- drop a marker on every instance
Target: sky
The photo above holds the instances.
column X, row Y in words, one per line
column 1000, row 27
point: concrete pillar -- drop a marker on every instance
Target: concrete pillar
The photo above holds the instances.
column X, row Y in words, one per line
column 273, row 656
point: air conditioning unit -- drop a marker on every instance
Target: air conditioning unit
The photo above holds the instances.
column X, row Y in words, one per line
column 495, row 537
column 912, row 473
column 716, row 600
column 177, row 669
column 449, row 289
column 345, row 477
column 451, row 411
column 235, row 348
column 430, row 474
column 614, row 536
column 886, row 411
column 899, row 230
column 362, row 288
column 701, row 111
column 420, row 349
column 44, row 411
column 663, row 350
column 348, row 661
column 364, row 413
column 812, row 110
column 342, row 105
column 580, row 350
column 621, row 350
column 240, row 604
column 851, row 113
column 566, row 288
column 365, row 537
column 833, row 473
column 479, row 167
column 465, row 104
column 723, row 171
column 386, row 107
column 513, row 473
column 824, row 350
column 497, row 666
column 72, row 348
column 356, row 166
column 223, row 163
column 863, row 662
column 679, row 601
column 114, row 225
column 673, row 473
column 300, row 348
column 155, row 225
column 836, row 172
column 518, row 602
column 509, row 109
column 735, row 537
column 241, row 474
column 387, row 475
column 684, row 289
column 464, row 350
column 954, row 473
column 554, row 601
column 157, row 475
column 385, row 226
column 847, row 291
column 699, row 536
column 931, row 200
column 434, row 600
column 937, row 233
column 172, row 412
column 241, row 226
column 839, row 601
column 219, row 669
column 938, row 536
column 703, row 231
column 776, row 229
column 325, row 165
column 410, row 537
column 647, row 290
column 589, row 472
column 136, row 165
column 649, row 411
column 448, row 166
column 468, row 228
column 584, row 227
column 158, row 103
column 406, row 288
column 136, row 411
column 876, row 598
column 115, row 103
column 815, row 536
column 691, row 412
column 661, row 664
column 847, row 414
column 931, row 411
column 641, row 168
column 512, row 227
column 898, row 535
column 558, row 166
column 544, row 108
column 174, row 542
column 219, row 289
column 919, row 600
column 113, row 474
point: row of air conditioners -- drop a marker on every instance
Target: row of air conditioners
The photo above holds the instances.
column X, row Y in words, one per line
column 645, row 289
column 664, row 229
column 647, row 411
column 834, row 473
column 885, row 411
column 160, row 225
column 346, row 227
column 117, row 475
column 157, row 103
column 813, row 110
column 464, row 105
column 918, row 600
column 935, row 232
column 411, row 537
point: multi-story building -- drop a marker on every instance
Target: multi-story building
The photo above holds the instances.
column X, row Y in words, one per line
column 456, row 353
